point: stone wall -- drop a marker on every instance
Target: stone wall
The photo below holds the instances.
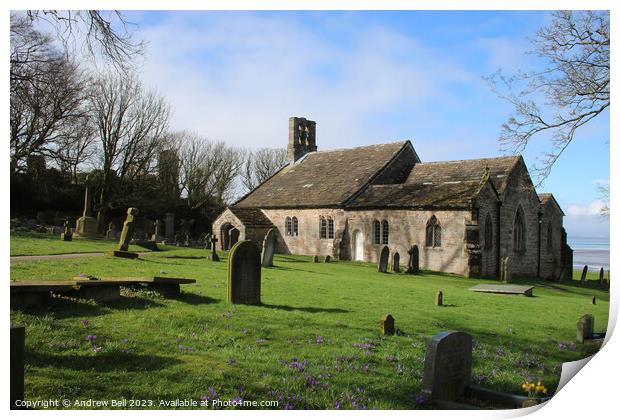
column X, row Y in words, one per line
column 486, row 203
column 551, row 257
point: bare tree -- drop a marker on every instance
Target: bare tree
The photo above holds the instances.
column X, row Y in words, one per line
column 47, row 95
column 260, row 165
column 603, row 191
column 575, row 84
column 101, row 33
column 130, row 123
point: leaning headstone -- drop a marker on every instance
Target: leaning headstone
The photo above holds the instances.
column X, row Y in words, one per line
column 584, row 274
column 244, row 266
column 126, row 235
column 111, row 232
column 585, row 328
column 213, row 256
column 413, row 267
column 269, row 247
column 387, row 325
column 384, row 256
column 447, row 366
column 67, row 235
column 396, row 263
column 328, row 259
column 439, row 298
column 315, row 259
column 18, row 344
column 601, row 277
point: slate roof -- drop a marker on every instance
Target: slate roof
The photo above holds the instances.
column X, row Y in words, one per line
column 438, row 173
column 546, row 198
column 251, row 217
column 322, row 179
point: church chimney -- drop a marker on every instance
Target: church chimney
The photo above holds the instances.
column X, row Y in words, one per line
column 301, row 138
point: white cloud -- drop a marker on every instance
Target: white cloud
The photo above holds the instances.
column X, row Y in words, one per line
column 594, row 208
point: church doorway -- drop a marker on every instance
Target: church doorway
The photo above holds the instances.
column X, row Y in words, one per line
column 229, row 235
column 358, row 241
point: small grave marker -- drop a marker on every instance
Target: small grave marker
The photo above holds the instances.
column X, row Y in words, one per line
column 584, row 274
column 396, row 263
column 506, row 268
column 387, row 325
column 439, row 298
column 67, row 235
column 593, row 300
column 315, row 259
column 213, row 256
column 585, row 328
column 244, row 273
column 384, row 256
column 601, row 277
column 328, row 259
column 269, row 245
column 413, row 266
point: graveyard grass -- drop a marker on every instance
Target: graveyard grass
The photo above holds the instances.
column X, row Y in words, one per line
column 313, row 343
column 31, row 243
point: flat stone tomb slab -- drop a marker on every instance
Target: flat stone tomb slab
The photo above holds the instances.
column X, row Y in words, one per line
column 510, row 289
column 33, row 286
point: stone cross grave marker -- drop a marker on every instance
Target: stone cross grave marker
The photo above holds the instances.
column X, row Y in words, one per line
column 157, row 235
column 584, row 273
column 213, row 256
column 396, row 263
column 439, row 298
column 384, row 256
column 17, row 350
column 387, row 325
column 269, row 247
column 585, row 328
column 447, row 366
column 244, row 266
column 413, row 267
column 66, row 235
column 128, row 228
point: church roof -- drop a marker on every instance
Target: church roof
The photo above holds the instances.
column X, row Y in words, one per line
column 322, row 179
column 547, row 198
column 251, row 217
column 471, row 170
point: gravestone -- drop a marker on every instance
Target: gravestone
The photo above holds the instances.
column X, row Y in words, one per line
column 187, row 239
column 66, row 235
column 18, row 346
column 506, row 268
column 447, row 366
column 413, row 266
column 244, row 266
column 387, row 325
column 126, row 235
column 269, row 247
column 315, row 259
column 213, row 256
column 585, row 328
column 396, row 263
column 157, row 235
column 207, row 239
column 86, row 226
column 593, row 300
column 170, row 227
column 384, row 256
column 328, row 259
column 601, row 277
column 439, row 298
column 584, row 273
column 111, row 232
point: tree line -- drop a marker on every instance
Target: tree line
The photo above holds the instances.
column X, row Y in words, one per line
column 81, row 119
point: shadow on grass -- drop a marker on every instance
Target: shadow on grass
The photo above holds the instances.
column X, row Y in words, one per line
column 186, row 257
column 194, row 299
column 304, row 308
column 101, row 362
column 132, row 302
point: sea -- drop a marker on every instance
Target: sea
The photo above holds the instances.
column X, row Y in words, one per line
column 593, row 252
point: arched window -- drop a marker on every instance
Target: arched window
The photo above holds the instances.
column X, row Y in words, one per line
column 549, row 238
column 518, row 235
column 376, row 228
column 433, row 232
column 295, row 227
column 330, row 228
column 288, row 227
column 488, row 233
column 323, row 228
column 385, row 232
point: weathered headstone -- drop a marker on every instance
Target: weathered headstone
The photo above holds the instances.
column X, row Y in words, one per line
column 328, row 259
column 413, row 266
column 447, row 366
column 384, row 256
column 506, row 268
column 67, row 235
column 86, row 226
column 439, row 298
column 601, row 277
column 584, row 274
column 315, row 259
column 593, row 300
column 170, row 227
column 244, row 273
column 18, row 345
column 157, row 235
column 585, row 328
column 111, row 232
column 126, row 235
column 387, row 325
column 269, row 247
column 207, row 239
column 213, row 256
column 396, row 263
column 187, row 239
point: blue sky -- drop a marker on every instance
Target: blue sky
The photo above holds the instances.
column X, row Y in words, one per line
column 365, row 77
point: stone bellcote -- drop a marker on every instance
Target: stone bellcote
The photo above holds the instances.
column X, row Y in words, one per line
column 301, row 138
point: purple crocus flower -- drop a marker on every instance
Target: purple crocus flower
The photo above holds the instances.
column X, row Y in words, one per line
column 319, row 339
column 338, row 404
column 91, row 337
column 85, row 322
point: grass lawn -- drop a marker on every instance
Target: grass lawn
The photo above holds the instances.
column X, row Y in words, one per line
column 313, row 343
column 31, row 243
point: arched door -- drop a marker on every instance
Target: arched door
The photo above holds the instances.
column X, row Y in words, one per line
column 359, row 245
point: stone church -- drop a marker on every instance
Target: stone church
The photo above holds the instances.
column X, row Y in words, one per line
column 464, row 215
